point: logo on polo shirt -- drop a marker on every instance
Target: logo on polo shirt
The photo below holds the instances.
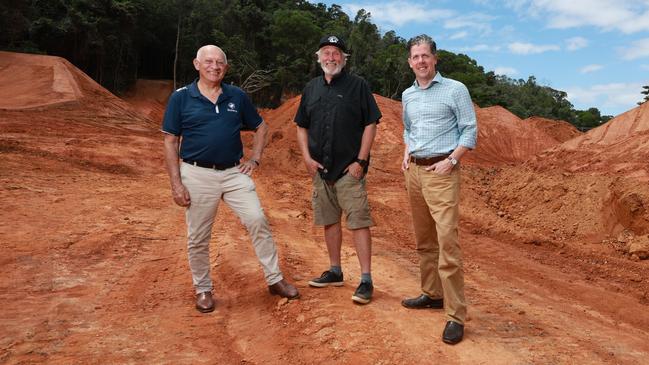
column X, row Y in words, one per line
column 231, row 107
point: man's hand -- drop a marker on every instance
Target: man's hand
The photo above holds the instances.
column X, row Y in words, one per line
column 178, row 190
column 180, row 195
column 312, row 166
column 248, row 166
column 443, row 167
column 405, row 163
column 355, row 169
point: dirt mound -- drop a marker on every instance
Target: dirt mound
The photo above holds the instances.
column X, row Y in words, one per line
column 620, row 146
column 560, row 130
column 149, row 97
column 503, row 138
column 625, row 125
column 33, row 80
column 592, row 188
column 79, row 123
column 37, row 82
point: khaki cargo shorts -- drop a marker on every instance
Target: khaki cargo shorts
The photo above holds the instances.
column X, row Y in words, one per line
column 347, row 195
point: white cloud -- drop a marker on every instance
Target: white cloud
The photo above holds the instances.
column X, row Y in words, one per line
column 590, row 68
column 529, row 48
column 479, row 48
column 475, row 21
column 398, row 13
column 644, row 67
column 638, row 49
column 627, row 16
column 619, row 96
column 575, row 43
column 508, row 71
column 459, row 35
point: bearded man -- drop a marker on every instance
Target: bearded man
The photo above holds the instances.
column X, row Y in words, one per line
column 336, row 125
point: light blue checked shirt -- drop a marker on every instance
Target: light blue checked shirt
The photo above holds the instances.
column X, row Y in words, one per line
column 438, row 118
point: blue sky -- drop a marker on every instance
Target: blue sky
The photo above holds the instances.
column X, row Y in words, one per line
column 595, row 50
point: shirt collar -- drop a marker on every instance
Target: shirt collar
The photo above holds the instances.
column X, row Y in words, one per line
column 336, row 77
column 194, row 92
column 437, row 79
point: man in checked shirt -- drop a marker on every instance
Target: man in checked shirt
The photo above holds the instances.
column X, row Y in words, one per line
column 439, row 127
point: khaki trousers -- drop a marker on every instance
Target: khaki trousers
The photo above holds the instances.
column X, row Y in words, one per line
column 206, row 189
column 434, row 201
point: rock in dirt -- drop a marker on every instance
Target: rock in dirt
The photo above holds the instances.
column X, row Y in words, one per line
column 640, row 247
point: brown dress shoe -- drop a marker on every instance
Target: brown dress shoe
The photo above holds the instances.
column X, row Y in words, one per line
column 284, row 290
column 204, row 302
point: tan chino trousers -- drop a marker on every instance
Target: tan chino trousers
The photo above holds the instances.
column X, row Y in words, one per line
column 434, row 201
column 206, row 189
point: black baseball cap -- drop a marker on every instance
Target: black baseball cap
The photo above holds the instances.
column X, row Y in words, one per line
column 332, row 40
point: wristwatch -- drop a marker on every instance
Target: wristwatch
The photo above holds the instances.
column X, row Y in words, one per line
column 362, row 162
column 453, row 161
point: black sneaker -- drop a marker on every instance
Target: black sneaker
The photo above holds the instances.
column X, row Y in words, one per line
column 327, row 278
column 363, row 293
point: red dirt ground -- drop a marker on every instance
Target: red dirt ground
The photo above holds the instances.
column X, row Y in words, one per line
column 149, row 97
column 93, row 267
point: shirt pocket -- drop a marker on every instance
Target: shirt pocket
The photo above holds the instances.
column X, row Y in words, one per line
column 312, row 106
column 351, row 110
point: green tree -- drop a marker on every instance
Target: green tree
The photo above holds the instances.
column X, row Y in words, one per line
column 392, row 73
column 645, row 92
column 363, row 43
column 466, row 70
column 587, row 119
column 295, row 36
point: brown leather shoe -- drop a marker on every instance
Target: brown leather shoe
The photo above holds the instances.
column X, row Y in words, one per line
column 204, row 302
column 284, row 290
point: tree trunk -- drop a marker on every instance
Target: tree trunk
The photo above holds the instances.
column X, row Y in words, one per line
column 176, row 56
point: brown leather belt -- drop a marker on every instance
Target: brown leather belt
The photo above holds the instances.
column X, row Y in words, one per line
column 427, row 161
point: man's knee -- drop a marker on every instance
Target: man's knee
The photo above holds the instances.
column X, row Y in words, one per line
column 255, row 220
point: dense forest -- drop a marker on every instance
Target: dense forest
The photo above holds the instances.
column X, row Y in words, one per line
column 270, row 46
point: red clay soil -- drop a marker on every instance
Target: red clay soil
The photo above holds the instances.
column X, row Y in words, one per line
column 93, row 267
column 149, row 97
column 559, row 130
column 503, row 138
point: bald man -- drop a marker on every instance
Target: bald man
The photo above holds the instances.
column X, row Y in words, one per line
column 202, row 127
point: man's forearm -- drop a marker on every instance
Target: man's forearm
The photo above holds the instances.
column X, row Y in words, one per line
column 303, row 142
column 171, row 144
column 459, row 152
column 367, row 140
column 259, row 141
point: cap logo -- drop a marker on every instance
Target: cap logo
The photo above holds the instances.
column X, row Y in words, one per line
column 332, row 39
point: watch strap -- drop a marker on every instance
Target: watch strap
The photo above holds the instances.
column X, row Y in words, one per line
column 362, row 162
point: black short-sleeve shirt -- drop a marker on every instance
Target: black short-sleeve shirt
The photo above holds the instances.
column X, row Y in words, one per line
column 336, row 115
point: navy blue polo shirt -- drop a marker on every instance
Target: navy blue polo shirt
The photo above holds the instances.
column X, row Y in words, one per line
column 211, row 133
